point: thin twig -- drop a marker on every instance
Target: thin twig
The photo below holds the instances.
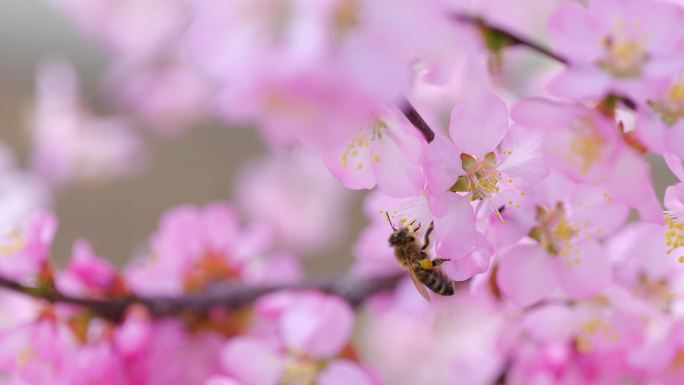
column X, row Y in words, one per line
column 514, row 39
column 353, row 289
column 414, row 117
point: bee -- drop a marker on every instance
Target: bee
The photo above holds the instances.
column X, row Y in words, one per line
column 423, row 271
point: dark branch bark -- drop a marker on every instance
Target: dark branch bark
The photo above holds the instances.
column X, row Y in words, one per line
column 414, row 117
column 514, row 39
column 353, row 289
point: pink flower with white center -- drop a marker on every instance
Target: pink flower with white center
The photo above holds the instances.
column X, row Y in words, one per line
column 134, row 30
column 25, row 249
column 385, row 152
column 587, row 147
column 616, row 46
column 195, row 247
column 313, row 331
column 484, row 161
column 459, row 339
column 69, row 142
column 293, row 194
column 562, row 249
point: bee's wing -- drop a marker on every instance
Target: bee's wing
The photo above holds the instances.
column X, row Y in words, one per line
column 419, row 285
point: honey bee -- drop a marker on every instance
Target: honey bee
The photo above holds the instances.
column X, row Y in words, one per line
column 423, row 271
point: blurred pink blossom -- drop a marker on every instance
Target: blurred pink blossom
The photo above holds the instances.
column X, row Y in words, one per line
column 70, row 143
column 616, row 46
column 292, row 194
column 195, row 247
column 312, row 329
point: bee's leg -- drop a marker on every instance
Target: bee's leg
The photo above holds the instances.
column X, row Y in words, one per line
column 426, row 240
column 439, row 261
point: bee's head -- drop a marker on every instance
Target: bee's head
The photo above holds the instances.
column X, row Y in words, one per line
column 401, row 237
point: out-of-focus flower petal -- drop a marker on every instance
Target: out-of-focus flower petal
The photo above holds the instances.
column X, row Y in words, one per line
column 584, row 271
column 479, row 123
column 252, row 361
column 526, row 275
column 318, row 325
column 344, row 372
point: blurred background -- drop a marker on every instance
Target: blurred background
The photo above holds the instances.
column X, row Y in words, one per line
column 198, row 166
column 118, row 215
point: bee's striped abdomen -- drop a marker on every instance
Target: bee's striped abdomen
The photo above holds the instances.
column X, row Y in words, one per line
column 436, row 281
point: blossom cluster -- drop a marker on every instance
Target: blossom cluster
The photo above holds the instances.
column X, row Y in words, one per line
column 568, row 264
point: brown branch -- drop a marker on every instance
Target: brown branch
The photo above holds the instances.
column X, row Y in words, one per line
column 414, row 117
column 513, row 38
column 353, row 289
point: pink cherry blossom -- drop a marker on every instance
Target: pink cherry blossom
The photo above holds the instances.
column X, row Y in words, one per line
column 88, row 273
column 195, row 247
column 562, row 248
column 313, row 329
column 660, row 124
column 25, row 249
column 586, row 147
column 484, row 160
column 385, row 152
column 70, row 142
column 456, row 337
column 618, row 46
column 292, row 194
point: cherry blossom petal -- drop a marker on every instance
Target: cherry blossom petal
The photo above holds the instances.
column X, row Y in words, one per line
column 630, row 182
column 442, row 164
column 525, row 274
column 584, row 271
column 477, row 262
column 318, row 325
column 344, row 372
column 479, row 123
column 572, row 32
column 252, row 361
column 455, row 232
column 580, row 83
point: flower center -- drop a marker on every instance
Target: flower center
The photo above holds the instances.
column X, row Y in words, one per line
column 301, row 372
column 586, row 146
column 678, row 361
column 360, row 143
column 655, row 291
column 482, row 178
column 674, row 234
column 346, row 16
column 595, row 329
column 209, row 268
column 12, row 243
column 671, row 107
column 624, row 57
column 554, row 231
